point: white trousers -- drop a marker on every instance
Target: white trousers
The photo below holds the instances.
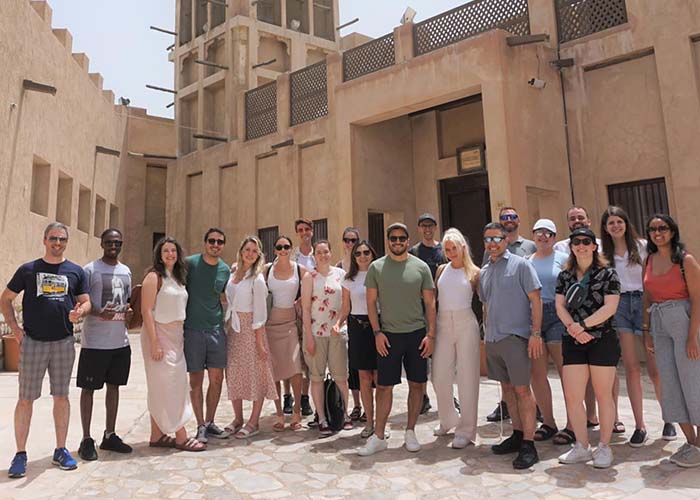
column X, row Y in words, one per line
column 456, row 358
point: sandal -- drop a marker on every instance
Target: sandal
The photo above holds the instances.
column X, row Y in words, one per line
column 295, row 424
column 545, row 432
column 233, row 428
column 247, row 432
column 590, row 424
column 191, row 445
column 355, row 414
column 618, row 428
column 279, row 425
column 164, row 441
column 367, row 432
column 564, row 436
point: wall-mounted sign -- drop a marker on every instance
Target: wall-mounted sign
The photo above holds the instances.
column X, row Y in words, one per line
column 470, row 159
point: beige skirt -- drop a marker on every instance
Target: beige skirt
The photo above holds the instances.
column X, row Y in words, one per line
column 283, row 338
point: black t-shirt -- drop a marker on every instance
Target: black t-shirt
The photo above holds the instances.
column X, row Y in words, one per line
column 602, row 282
column 50, row 292
column 432, row 256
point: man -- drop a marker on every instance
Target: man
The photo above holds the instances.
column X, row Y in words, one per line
column 510, row 291
column 429, row 250
column 105, row 354
column 523, row 247
column 576, row 218
column 403, row 285
column 205, row 339
column 55, row 297
column 304, row 255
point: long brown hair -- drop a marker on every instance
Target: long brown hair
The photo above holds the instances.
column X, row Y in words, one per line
column 631, row 236
column 179, row 270
column 354, row 266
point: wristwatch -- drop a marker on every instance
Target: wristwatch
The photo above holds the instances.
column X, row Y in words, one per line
column 537, row 334
column 376, row 332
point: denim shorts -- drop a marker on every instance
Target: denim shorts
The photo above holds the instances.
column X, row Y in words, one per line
column 628, row 317
column 552, row 327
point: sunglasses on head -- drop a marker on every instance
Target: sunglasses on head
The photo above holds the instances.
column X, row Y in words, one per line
column 60, row 239
column 544, row 233
column 394, row 239
column 113, row 243
column 658, row 229
column 350, row 240
column 359, row 253
column 508, row 216
column 283, row 247
column 493, row 239
column 581, row 241
column 215, row 241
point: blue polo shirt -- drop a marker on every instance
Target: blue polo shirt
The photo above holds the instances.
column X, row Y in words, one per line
column 504, row 286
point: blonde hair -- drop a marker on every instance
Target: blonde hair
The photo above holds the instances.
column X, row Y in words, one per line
column 456, row 237
column 257, row 265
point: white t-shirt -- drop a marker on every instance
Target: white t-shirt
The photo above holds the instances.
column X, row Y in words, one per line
column 358, row 293
column 454, row 290
column 630, row 274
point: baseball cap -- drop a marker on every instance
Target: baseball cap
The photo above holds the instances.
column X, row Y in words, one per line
column 545, row 224
column 396, row 225
column 427, row 216
column 582, row 231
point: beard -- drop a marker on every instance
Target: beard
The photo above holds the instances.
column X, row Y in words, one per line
column 398, row 252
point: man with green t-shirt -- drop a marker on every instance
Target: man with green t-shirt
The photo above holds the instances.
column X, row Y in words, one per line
column 205, row 339
column 402, row 284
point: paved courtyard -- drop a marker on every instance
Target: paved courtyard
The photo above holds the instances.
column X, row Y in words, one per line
column 299, row 465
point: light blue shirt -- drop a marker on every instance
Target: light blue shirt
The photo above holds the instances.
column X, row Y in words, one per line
column 547, row 271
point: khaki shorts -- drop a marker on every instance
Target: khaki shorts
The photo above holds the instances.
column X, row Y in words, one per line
column 331, row 352
column 507, row 360
column 36, row 357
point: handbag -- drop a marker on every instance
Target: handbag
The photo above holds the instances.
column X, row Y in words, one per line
column 576, row 294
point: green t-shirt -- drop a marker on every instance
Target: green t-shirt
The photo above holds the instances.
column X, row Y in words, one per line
column 205, row 284
column 399, row 285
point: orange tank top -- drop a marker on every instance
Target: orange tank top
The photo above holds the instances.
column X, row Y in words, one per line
column 669, row 286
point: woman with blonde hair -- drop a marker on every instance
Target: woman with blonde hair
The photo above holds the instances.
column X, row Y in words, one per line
column 457, row 341
column 249, row 366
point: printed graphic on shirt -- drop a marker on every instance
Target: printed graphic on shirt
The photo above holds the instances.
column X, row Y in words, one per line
column 51, row 286
column 115, row 295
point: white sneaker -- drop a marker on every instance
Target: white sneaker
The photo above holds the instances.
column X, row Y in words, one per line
column 410, row 441
column 679, row 453
column 440, row 431
column 576, row 455
column 459, row 442
column 202, row 433
column 602, row 457
column 372, row 446
column 691, row 458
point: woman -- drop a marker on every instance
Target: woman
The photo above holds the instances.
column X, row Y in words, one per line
column 457, row 341
column 548, row 264
column 284, row 284
column 672, row 295
column 362, row 351
column 351, row 236
column 626, row 251
column 324, row 346
column 248, row 368
column 587, row 294
column 163, row 304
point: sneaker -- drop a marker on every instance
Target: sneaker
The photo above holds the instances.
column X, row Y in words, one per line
column 367, row 432
column 509, row 445
column 313, row 423
column 639, row 437
column 426, row 405
column 18, row 467
column 288, row 404
column 669, row 432
column 527, row 457
column 455, row 401
column 459, row 442
column 347, row 425
column 324, row 429
column 410, row 441
column 680, row 452
column 63, row 459
column 577, row 454
column 86, row 450
column 603, row 457
column 216, row 432
column 691, row 457
column 306, row 406
column 372, row 446
column 114, row 443
column 500, row 413
column 363, row 417
column 202, row 433
column 440, row 431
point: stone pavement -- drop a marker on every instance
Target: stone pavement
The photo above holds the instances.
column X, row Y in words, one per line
column 299, row 465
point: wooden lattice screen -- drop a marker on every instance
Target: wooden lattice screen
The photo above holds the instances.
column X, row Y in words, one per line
column 309, row 93
column 369, row 57
column 261, row 111
column 578, row 18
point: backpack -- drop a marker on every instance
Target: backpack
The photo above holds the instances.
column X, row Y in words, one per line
column 136, row 320
column 334, row 404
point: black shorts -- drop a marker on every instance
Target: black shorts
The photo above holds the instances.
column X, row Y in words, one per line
column 404, row 350
column 99, row 366
column 604, row 351
column 362, row 349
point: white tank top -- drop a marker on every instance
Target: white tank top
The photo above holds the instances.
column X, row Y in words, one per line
column 171, row 302
column 284, row 292
column 454, row 290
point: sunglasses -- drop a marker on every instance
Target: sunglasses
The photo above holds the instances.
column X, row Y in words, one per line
column 60, row 239
column 581, row 241
column 113, row 243
column 658, row 229
column 283, row 247
column 216, row 241
column 350, row 240
column 366, row 253
column 544, row 233
column 394, row 239
column 508, row 216
column 493, row 239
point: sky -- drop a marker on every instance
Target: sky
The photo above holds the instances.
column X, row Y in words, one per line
column 116, row 37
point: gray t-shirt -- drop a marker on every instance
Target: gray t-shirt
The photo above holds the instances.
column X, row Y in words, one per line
column 399, row 285
column 110, row 289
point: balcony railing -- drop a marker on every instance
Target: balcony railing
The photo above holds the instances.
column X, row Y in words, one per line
column 578, row 18
column 261, row 111
column 369, row 57
column 309, row 93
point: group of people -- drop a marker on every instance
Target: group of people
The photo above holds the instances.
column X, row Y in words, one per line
column 275, row 330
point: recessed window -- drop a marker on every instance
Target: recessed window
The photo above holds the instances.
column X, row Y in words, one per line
column 41, row 180
column 100, row 214
column 640, row 199
column 84, row 201
column 64, row 199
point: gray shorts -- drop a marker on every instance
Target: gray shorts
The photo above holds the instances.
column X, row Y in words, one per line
column 507, row 360
column 35, row 357
column 205, row 349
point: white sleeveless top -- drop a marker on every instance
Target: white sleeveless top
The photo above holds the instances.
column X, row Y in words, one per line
column 171, row 301
column 454, row 290
column 284, row 292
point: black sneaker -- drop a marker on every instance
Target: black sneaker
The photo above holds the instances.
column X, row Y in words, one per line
column 87, row 450
column 527, row 457
column 306, row 406
column 456, row 403
column 114, row 443
column 639, row 437
column 669, row 432
column 288, row 406
column 312, row 424
column 510, row 445
column 500, row 413
column 426, row 405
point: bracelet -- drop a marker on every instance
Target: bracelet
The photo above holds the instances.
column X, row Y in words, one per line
column 431, row 337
